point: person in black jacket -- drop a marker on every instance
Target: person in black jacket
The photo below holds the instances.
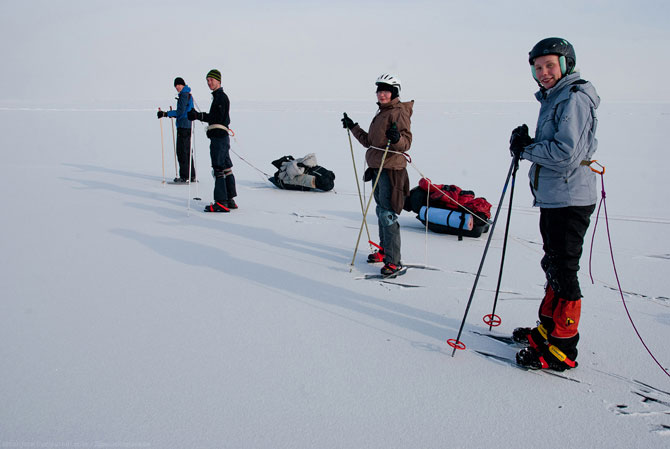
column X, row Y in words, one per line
column 218, row 119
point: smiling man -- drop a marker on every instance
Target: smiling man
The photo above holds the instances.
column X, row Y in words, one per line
column 564, row 188
column 218, row 119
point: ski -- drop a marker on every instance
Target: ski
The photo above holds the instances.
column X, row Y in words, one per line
column 513, row 363
column 501, row 358
column 502, row 339
column 509, row 341
column 388, row 279
column 402, row 271
column 399, row 284
column 421, row 266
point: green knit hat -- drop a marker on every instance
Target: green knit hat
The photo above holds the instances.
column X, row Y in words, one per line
column 214, row 74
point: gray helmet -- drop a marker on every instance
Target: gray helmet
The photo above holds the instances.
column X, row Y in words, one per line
column 555, row 46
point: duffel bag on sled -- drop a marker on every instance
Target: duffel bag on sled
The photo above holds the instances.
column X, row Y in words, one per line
column 302, row 174
column 448, row 209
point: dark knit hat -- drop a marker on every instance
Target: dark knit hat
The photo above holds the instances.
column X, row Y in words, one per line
column 179, row 80
column 214, row 74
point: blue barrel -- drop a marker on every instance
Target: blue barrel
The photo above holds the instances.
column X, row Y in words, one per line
column 446, row 217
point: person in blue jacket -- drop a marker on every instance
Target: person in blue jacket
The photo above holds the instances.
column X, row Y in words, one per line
column 184, row 104
column 564, row 188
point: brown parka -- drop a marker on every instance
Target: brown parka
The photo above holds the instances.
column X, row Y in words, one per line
column 393, row 112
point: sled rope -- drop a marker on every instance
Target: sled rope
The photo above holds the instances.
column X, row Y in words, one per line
column 409, row 160
column 231, row 133
column 616, row 275
column 266, row 176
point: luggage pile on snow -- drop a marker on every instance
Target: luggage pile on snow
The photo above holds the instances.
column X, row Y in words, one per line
column 450, row 209
column 302, row 174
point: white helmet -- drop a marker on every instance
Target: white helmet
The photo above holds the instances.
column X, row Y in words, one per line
column 386, row 78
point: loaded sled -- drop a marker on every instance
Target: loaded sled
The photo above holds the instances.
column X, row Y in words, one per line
column 448, row 209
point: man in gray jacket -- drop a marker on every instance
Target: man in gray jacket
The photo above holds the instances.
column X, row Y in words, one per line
column 564, row 188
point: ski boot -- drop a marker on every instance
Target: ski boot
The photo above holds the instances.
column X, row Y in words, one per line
column 548, row 357
column 534, row 337
column 231, row 204
column 391, row 269
column 216, row 207
column 376, row 257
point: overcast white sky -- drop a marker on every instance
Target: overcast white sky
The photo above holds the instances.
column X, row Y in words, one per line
column 91, row 52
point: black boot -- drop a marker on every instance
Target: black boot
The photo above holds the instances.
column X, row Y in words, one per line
column 216, row 207
column 545, row 358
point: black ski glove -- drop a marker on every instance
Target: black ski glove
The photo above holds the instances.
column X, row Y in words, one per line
column 161, row 114
column 393, row 134
column 519, row 140
column 347, row 123
column 194, row 115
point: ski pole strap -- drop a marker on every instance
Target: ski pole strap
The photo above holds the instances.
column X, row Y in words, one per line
column 225, row 128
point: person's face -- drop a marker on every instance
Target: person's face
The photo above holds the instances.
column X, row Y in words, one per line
column 179, row 87
column 383, row 96
column 213, row 84
column 547, row 70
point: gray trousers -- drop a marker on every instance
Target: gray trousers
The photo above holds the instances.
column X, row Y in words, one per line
column 389, row 228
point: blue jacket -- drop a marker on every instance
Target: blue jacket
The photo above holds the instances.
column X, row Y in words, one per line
column 184, row 104
column 565, row 136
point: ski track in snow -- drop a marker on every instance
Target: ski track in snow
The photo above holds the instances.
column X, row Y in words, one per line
column 270, row 323
column 646, row 401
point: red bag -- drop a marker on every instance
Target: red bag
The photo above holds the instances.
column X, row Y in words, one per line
column 449, row 196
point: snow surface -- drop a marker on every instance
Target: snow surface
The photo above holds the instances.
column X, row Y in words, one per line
column 127, row 320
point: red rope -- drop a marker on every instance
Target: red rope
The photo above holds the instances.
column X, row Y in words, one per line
column 616, row 275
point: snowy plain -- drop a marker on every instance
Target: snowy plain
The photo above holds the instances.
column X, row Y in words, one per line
column 128, row 320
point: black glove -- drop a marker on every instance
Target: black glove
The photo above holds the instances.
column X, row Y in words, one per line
column 519, row 140
column 347, row 123
column 194, row 115
column 393, row 134
column 161, row 114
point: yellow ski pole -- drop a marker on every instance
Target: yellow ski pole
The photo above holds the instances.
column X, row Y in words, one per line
column 374, row 186
column 174, row 146
column 358, row 185
column 162, row 148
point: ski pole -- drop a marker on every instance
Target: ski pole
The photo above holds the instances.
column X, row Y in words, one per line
column 162, row 149
column 358, row 185
column 174, row 146
column 372, row 194
column 456, row 343
column 190, row 154
column 492, row 319
column 194, row 161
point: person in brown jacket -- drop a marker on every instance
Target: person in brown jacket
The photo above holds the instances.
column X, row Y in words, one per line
column 390, row 125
